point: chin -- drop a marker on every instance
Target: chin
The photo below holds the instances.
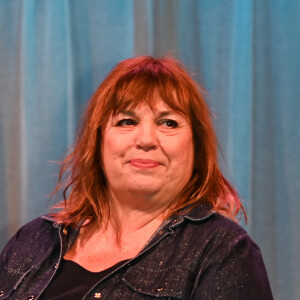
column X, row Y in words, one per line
column 145, row 190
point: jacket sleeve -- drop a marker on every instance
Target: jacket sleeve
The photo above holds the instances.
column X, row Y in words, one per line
column 10, row 251
column 23, row 252
column 233, row 269
column 19, row 245
column 11, row 266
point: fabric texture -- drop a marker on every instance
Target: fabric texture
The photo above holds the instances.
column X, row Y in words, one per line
column 195, row 255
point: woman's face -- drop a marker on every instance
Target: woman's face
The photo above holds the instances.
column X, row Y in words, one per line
column 147, row 155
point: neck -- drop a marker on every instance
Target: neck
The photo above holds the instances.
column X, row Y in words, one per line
column 127, row 218
column 137, row 214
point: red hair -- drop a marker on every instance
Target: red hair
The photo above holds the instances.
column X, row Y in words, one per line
column 130, row 83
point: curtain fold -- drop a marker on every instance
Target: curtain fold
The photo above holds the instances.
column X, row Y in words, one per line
column 53, row 55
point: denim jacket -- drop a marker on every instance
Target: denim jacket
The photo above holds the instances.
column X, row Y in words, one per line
column 194, row 255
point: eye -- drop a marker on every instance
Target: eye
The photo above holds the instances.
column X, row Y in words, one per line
column 168, row 123
column 126, row 122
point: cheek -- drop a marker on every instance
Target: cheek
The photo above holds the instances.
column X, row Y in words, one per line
column 180, row 152
column 186, row 157
column 114, row 149
column 113, row 144
column 109, row 151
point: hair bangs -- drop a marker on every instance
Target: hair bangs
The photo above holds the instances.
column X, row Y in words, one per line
column 147, row 87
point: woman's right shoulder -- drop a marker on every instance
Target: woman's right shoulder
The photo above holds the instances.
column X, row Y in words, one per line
column 36, row 227
column 31, row 236
column 27, row 250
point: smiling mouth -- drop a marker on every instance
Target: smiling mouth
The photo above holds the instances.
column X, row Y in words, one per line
column 144, row 163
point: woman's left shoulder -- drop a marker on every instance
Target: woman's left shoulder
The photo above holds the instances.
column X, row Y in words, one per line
column 228, row 235
column 219, row 225
column 211, row 227
column 231, row 252
column 226, row 226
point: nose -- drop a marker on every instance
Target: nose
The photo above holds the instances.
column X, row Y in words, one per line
column 146, row 138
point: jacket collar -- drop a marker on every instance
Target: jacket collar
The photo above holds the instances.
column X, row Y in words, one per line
column 191, row 212
column 194, row 213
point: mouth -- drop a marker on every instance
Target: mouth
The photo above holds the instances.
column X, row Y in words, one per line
column 144, row 163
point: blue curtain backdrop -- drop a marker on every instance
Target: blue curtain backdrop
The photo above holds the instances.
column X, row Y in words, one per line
column 54, row 53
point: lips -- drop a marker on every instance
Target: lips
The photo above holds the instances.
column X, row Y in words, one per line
column 144, row 163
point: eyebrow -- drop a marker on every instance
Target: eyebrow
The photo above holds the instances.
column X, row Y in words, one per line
column 160, row 115
column 128, row 113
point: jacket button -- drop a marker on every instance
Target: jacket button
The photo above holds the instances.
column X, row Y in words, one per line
column 1, row 293
column 97, row 295
column 30, row 298
column 55, row 266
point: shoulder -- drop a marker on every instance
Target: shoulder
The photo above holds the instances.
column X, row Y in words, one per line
column 40, row 224
column 232, row 257
column 224, row 242
column 223, row 228
column 229, row 263
column 213, row 226
column 213, row 238
column 32, row 244
column 34, row 230
column 30, row 239
column 225, row 237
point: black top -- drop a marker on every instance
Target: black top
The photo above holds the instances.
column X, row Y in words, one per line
column 72, row 281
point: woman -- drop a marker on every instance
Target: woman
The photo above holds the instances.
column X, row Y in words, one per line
column 147, row 213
